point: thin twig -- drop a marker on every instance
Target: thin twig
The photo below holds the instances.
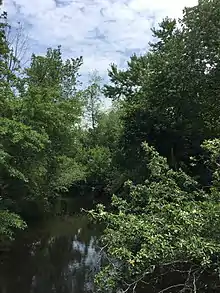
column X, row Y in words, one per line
column 194, row 284
column 171, row 287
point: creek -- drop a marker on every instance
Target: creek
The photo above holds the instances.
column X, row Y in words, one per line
column 59, row 255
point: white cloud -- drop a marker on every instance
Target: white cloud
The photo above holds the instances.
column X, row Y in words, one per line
column 103, row 31
column 171, row 8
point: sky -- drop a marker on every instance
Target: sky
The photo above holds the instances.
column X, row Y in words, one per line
column 102, row 31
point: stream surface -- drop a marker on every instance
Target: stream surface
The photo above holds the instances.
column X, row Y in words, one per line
column 60, row 255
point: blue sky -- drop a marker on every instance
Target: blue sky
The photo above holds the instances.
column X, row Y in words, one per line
column 102, row 31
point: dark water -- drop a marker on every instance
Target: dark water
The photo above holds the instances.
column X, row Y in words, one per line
column 60, row 255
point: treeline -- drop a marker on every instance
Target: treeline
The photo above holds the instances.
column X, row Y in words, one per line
column 56, row 136
column 163, row 231
column 162, row 133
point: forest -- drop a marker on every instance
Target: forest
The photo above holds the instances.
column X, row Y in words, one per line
column 155, row 153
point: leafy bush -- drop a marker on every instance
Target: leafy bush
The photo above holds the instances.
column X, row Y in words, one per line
column 167, row 224
column 9, row 222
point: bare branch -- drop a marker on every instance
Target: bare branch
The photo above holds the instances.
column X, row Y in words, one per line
column 194, row 284
column 172, row 287
column 18, row 46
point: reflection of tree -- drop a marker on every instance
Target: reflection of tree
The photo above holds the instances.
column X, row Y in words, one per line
column 62, row 258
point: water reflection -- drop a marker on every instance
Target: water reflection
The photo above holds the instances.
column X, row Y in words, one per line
column 59, row 256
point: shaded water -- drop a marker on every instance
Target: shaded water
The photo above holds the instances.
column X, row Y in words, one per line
column 60, row 255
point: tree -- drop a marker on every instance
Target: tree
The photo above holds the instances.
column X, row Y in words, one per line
column 93, row 99
column 170, row 95
column 9, row 220
column 99, row 150
column 52, row 105
column 163, row 233
column 18, row 44
column 40, row 113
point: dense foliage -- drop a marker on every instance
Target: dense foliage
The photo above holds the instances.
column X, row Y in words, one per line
column 157, row 148
column 40, row 113
column 163, row 231
column 171, row 95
